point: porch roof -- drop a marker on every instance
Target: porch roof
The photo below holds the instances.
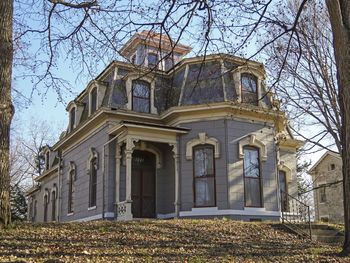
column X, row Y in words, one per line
column 147, row 127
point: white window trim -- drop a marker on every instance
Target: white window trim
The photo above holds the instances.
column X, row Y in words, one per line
column 72, row 167
column 151, row 52
column 92, row 154
column 130, row 78
column 282, row 167
column 74, row 107
column 90, row 98
column 258, row 73
column 251, row 140
column 201, row 140
column 91, row 208
column 47, row 152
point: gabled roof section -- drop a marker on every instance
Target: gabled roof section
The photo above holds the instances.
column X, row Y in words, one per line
column 156, row 40
column 328, row 153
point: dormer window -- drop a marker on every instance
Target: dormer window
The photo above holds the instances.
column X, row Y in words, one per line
column 72, row 119
column 47, row 160
column 93, row 100
column 141, row 96
column 249, row 86
column 152, row 60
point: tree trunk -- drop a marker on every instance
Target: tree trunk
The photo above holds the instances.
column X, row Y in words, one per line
column 339, row 12
column 6, row 107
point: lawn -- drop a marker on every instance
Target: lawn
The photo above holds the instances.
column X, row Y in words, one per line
column 160, row 240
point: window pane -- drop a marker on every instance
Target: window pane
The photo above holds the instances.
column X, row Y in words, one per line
column 72, row 119
column 140, row 105
column 141, row 90
column 93, row 183
column 284, row 191
column 203, row 158
column 141, row 96
column 249, row 83
column 283, row 182
column 152, row 60
column 251, row 162
column 323, row 197
column 252, row 192
column 93, row 100
column 205, row 191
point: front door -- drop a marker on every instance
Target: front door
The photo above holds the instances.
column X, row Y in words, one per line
column 143, row 184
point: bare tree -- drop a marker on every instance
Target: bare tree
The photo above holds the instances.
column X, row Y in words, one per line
column 90, row 33
column 307, row 83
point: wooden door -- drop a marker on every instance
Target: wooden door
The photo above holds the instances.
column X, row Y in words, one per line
column 143, row 185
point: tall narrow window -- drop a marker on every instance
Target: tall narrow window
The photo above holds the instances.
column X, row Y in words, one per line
column 47, row 160
column 93, row 100
column 141, row 96
column 323, row 196
column 35, row 210
column 152, row 60
column 53, row 206
column 93, row 183
column 249, row 86
column 72, row 119
column 204, row 176
column 284, row 190
column 71, row 192
column 46, row 205
column 251, row 170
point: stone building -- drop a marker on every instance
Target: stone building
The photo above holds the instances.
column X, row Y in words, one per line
column 327, row 180
column 163, row 136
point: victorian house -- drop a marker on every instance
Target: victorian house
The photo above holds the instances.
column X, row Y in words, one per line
column 162, row 136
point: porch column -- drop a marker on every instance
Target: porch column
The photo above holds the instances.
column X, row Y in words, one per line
column 117, row 172
column 176, row 157
column 124, row 208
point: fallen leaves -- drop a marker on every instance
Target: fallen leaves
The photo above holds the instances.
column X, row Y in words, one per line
column 162, row 241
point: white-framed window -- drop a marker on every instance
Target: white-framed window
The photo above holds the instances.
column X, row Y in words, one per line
column 72, row 118
column 141, row 96
column 47, row 160
column 152, row 60
column 71, row 188
column 252, row 177
column 93, row 100
column 92, row 172
column 249, row 88
column 204, row 176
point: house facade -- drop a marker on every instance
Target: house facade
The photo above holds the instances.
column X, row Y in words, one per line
column 163, row 136
column 327, row 179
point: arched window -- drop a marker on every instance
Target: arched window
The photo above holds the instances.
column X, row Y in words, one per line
column 141, row 96
column 53, row 206
column 204, row 176
column 249, row 85
column 47, row 160
column 152, row 60
column 282, row 176
column 71, row 191
column 72, row 119
column 252, row 177
column 93, row 100
column 93, row 182
column 46, row 205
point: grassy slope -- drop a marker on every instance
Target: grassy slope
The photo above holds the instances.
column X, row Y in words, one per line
column 171, row 241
